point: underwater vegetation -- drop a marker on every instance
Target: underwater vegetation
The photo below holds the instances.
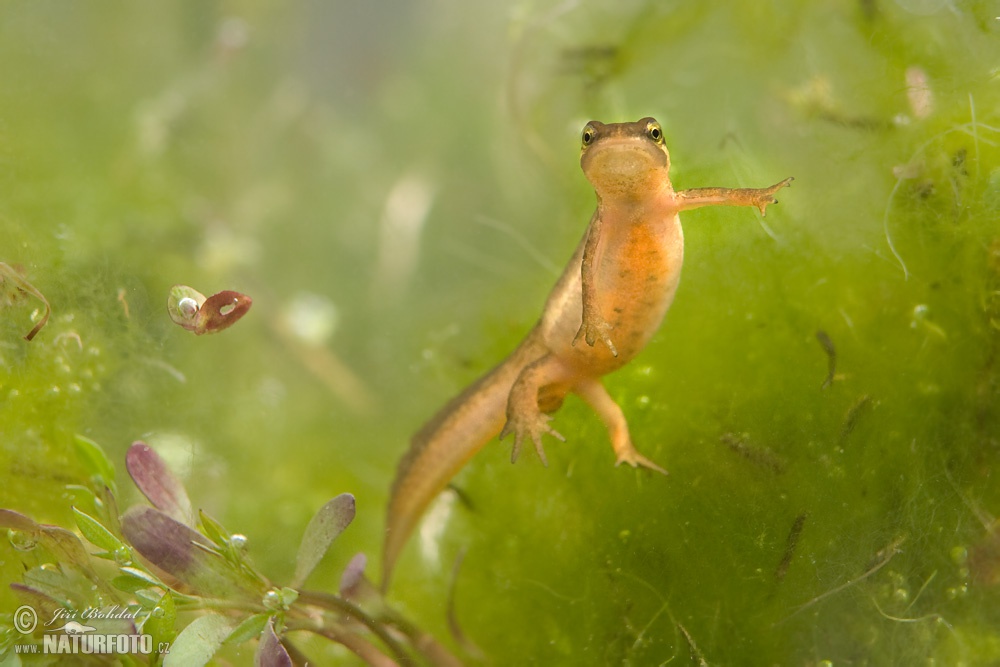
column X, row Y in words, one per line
column 163, row 560
column 397, row 187
column 192, row 310
column 16, row 289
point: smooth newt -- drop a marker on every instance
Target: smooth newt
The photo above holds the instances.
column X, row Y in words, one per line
column 603, row 310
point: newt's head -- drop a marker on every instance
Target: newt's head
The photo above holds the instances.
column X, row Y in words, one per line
column 625, row 160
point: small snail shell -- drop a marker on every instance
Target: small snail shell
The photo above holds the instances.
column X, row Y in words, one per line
column 190, row 309
column 184, row 304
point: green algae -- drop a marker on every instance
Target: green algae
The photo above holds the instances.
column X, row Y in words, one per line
column 248, row 149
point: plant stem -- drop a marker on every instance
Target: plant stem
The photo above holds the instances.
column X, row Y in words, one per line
column 339, row 604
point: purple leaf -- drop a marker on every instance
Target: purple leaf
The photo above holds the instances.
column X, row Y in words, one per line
column 44, row 605
column 353, row 576
column 270, row 652
column 157, row 482
column 221, row 311
column 329, row 522
column 62, row 544
column 66, row 547
column 185, row 554
column 17, row 521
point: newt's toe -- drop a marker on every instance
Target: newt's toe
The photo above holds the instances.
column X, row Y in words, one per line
column 636, row 460
column 533, row 429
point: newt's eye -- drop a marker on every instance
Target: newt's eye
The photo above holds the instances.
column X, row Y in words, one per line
column 655, row 132
column 588, row 135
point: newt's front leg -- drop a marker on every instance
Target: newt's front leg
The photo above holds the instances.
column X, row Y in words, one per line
column 593, row 326
column 759, row 198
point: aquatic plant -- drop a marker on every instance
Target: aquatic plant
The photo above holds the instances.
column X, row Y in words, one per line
column 186, row 582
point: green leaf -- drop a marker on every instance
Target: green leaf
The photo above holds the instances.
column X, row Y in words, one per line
column 147, row 597
column 109, row 511
column 213, row 530
column 162, row 620
column 85, row 498
column 141, row 574
column 95, row 533
column 198, row 642
column 133, row 580
column 128, row 584
column 10, row 659
column 94, row 459
column 248, row 629
column 329, row 522
column 183, row 305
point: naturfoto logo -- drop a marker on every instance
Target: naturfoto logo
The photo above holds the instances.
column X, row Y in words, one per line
column 77, row 632
column 114, row 612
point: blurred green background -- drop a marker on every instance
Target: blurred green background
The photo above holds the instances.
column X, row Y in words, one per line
column 396, row 185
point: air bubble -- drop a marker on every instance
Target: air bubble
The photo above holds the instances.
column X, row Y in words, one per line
column 956, row 592
column 20, row 540
column 233, row 33
column 272, row 600
column 312, row 318
column 188, row 307
column 959, row 555
column 271, row 391
column 123, row 555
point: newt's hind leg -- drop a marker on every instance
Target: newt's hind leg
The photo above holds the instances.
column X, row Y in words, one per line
column 597, row 397
column 538, row 380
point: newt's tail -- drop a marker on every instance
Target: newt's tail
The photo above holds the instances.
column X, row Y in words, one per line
column 444, row 445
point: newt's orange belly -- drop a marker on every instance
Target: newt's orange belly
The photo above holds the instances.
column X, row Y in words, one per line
column 636, row 282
